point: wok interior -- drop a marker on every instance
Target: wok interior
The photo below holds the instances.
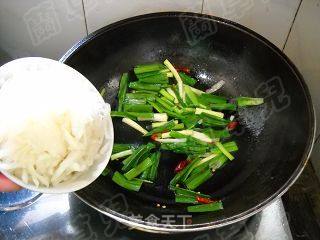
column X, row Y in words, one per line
column 273, row 138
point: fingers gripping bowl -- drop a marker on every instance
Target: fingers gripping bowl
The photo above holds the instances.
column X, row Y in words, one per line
column 56, row 134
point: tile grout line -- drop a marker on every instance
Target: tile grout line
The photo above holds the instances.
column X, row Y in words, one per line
column 85, row 17
column 293, row 21
column 202, row 5
column 317, row 138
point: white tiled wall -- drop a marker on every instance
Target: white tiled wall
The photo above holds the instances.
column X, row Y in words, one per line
column 270, row 18
column 303, row 47
column 40, row 28
column 49, row 27
column 100, row 13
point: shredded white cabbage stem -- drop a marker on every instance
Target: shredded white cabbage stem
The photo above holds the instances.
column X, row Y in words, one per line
column 46, row 141
column 49, row 153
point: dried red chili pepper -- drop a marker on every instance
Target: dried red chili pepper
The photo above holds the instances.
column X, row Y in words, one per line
column 181, row 165
column 154, row 136
column 204, row 200
column 183, row 69
column 232, row 125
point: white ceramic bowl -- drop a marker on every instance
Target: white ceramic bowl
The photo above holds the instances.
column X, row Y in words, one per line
column 89, row 175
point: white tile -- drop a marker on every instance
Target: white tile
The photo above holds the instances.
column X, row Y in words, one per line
column 303, row 48
column 270, row 18
column 40, row 28
column 100, row 13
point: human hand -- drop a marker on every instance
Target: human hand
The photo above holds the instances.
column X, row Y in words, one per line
column 7, row 185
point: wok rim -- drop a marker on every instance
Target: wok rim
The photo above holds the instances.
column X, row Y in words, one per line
column 162, row 228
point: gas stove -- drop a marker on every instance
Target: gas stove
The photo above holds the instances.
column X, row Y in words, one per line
column 64, row 216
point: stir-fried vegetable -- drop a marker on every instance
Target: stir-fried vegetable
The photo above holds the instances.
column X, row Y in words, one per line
column 122, row 115
column 215, row 87
column 247, row 101
column 143, row 68
column 143, row 96
column 185, row 199
column 223, row 150
column 223, row 106
column 133, row 185
column 208, row 99
column 145, row 86
column 191, row 95
column 211, row 207
column 185, row 120
column 167, row 126
column 209, row 112
column 121, row 154
column 122, row 90
column 134, row 172
column 156, row 117
column 157, row 78
column 137, row 108
column 177, row 77
column 106, row 171
column 166, row 95
column 154, row 167
column 119, row 147
column 135, row 157
column 134, row 125
column 196, row 180
column 187, row 192
column 102, row 91
column 187, row 79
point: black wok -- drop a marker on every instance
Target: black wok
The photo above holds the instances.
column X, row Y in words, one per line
column 275, row 139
